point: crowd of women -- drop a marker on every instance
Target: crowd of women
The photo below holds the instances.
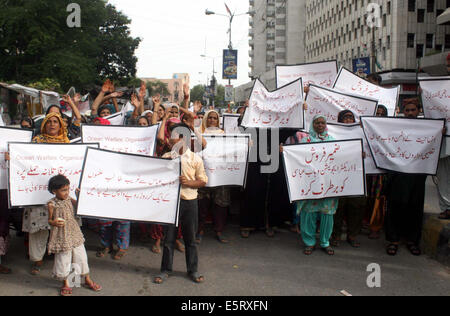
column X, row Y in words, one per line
column 395, row 201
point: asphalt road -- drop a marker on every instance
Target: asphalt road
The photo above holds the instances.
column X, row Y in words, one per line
column 258, row 266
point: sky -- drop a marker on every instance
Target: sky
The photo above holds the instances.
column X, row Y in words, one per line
column 175, row 33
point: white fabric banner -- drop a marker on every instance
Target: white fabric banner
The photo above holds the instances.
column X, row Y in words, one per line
column 124, row 139
column 230, row 123
column 324, row 170
column 322, row 74
column 355, row 131
column 330, row 103
column 346, row 81
column 282, row 108
column 117, row 119
column 436, row 99
column 32, row 166
column 10, row 135
column 129, row 187
column 404, row 145
column 226, row 159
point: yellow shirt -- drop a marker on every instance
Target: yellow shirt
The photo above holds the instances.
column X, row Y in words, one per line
column 193, row 169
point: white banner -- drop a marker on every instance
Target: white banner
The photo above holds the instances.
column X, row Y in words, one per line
column 129, row 187
column 404, row 145
column 436, row 99
column 10, row 135
column 330, row 103
column 2, row 124
column 124, row 139
column 346, row 81
column 355, row 131
column 282, row 108
column 322, row 74
column 117, row 119
column 32, row 166
column 231, row 124
column 324, row 170
column 226, row 159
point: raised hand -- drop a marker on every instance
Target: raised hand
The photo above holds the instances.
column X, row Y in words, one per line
column 134, row 100
column 156, row 99
column 107, row 86
column 116, row 94
column 186, row 91
column 142, row 90
column 197, row 106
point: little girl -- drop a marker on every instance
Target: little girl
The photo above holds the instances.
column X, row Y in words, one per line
column 66, row 239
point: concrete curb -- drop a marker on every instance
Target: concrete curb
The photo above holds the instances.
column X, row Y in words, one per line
column 435, row 238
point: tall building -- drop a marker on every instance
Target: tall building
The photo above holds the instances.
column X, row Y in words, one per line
column 406, row 31
column 276, row 33
column 174, row 85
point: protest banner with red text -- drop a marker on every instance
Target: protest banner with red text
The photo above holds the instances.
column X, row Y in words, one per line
column 322, row 73
column 324, row 170
column 122, row 186
column 404, row 145
column 436, row 99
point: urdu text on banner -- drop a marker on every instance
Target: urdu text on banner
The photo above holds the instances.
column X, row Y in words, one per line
column 282, row 108
column 346, row 81
column 404, row 145
column 124, row 139
column 324, row 170
column 33, row 165
column 436, row 99
column 10, row 135
column 226, row 159
column 122, row 186
column 322, row 74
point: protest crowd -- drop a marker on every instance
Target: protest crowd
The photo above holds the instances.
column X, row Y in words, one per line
column 328, row 178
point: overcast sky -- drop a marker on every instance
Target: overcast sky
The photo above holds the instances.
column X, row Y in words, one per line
column 175, row 33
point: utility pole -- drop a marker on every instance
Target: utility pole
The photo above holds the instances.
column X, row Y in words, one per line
column 373, row 52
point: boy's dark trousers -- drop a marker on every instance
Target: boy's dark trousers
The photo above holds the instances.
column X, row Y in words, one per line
column 189, row 224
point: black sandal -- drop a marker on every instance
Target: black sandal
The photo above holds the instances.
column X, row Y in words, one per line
column 197, row 278
column 160, row 278
column 309, row 250
column 392, row 249
column 445, row 215
column 415, row 251
column 329, row 251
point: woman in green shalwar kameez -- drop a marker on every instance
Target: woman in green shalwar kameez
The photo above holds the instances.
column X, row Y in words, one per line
column 310, row 211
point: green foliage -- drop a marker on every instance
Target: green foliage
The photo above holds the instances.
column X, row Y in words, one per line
column 197, row 93
column 47, row 85
column 36, row 43
column 220, row 96
column 158, row 86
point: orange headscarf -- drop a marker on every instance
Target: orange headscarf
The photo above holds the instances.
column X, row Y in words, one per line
column 45, row 138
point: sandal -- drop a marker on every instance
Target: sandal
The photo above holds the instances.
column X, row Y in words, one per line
column 103, row 252
column 156, row 249
column 329, row 251
column 161, row 278
column 335, row 242
column 270, row 233
column 199, row 238
column 415, row 251
column 222, row 239
column 35, row 270
column 66, row 291
column 245, row 233
column 120, row 254
column 93, row 286
column 197, row 278
column 392, row 249
column 5, row 270
column 309, row 250
column 179, row 246
column 354, row 243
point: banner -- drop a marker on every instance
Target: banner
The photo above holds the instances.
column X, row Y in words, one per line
column 346, row 81
column 230, row 63
column 282, row 108
column 7, row 135
column 32, row 165
column 355, row 131
column 124, row 139
column 226, row 159
column 330, row 103
column 117, row 119
column 129, row 187
column 324, row 170
column 231, row 124
column 322, row 74
column 436, row 99
column 404, row 145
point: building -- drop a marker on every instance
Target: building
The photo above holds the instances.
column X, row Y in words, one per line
column 406, row 31
column 174, row 85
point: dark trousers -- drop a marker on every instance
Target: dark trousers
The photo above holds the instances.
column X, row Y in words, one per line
column 353, row 209
column 219, row 214
column 189, row 222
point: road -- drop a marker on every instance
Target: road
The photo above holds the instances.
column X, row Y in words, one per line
column 258, row 266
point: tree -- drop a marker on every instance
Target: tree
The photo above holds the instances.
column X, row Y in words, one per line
column 219, row 99
column 36, row 42
column 197, row 93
